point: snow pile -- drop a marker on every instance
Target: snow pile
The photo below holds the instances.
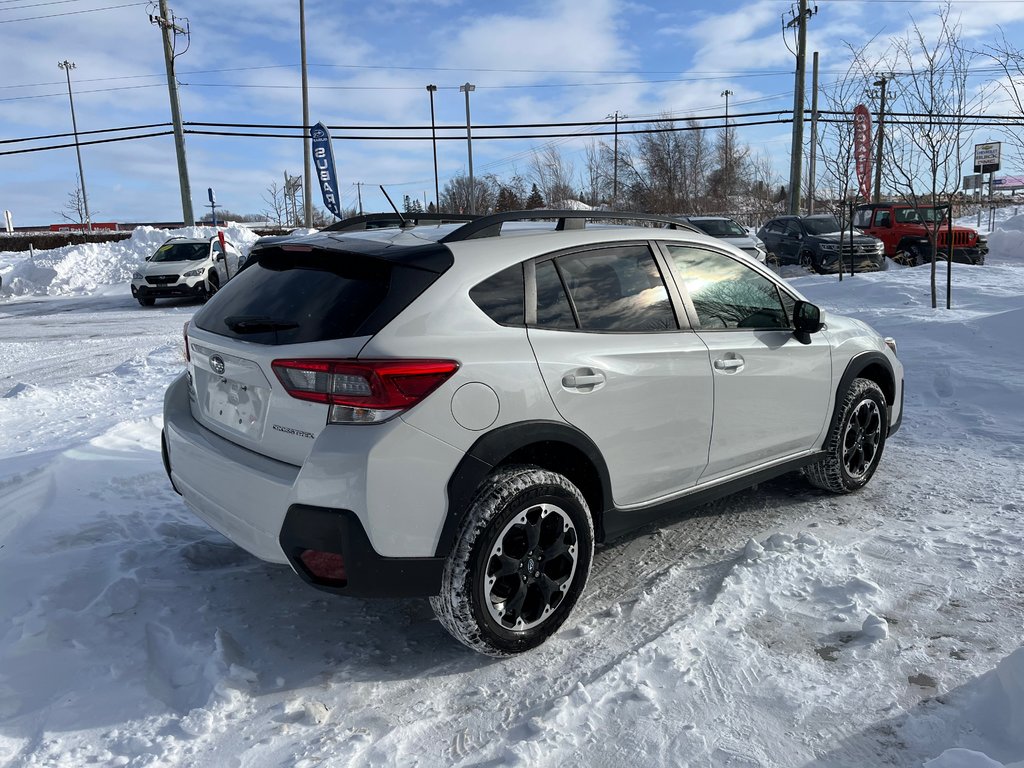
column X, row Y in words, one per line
column 81, row 269
column 1006, row 242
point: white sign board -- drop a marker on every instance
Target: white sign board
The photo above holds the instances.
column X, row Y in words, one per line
column 986, row 157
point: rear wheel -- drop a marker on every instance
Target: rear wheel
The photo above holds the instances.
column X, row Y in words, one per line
column 856, row 442
column 520, row 563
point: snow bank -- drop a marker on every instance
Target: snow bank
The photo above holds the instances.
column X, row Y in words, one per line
column 1006, row 243
column 81, row 269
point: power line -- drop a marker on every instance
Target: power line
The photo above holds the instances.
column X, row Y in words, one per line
column 84, row 143
column 94, row 90
column 84, row 133
column 37, row 5
column 71, row 13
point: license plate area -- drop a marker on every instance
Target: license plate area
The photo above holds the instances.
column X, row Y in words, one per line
column 240, row 407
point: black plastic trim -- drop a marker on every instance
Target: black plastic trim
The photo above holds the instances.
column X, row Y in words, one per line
column 619, row 522
column 369, row 573
column 388, row 220
column 166, row 458
column 492, row 449
column 899, row 419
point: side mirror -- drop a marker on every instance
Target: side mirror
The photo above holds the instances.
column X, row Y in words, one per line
column 806, row 317
column 219, row 256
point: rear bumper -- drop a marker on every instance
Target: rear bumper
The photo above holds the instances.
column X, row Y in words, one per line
column 384, row 487
column 369, row 574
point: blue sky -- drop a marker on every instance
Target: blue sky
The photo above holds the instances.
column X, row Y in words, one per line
column 560, row 60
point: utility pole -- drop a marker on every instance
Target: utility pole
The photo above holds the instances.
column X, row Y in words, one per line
column 728, row 155
column 799, row 21
column 881, row 83
column 467, row 89
column 615, row 160
column 359, row 194
column 813, row 170
column 431, row 89
column 169, row 29
column 307, row 181
column 67, row 66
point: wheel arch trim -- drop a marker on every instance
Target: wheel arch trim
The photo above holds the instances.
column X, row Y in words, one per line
column 877, row 366
column 499, row 446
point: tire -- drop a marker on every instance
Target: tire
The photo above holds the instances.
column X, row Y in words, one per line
column 146, row 302
column 910, row 257
column 807, row 261
column 856, row 442
column 521, row 561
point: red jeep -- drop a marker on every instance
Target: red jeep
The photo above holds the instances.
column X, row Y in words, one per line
column 904, row 230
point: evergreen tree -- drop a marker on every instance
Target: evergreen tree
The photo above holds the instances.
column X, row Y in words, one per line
column 507, row 200
column 534, row 200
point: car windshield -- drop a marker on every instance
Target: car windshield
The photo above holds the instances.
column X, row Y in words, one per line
column 919, row 215
column 719, row 227
column 181, row 252
column 822, row 226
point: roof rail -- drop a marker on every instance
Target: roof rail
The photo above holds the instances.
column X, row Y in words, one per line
column 490, row 226
column 382, row 220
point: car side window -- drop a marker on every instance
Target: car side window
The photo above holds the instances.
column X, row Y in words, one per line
column 775, row 227
column 502, row 296
column 553, row 309
column 882, row 218
column 727, row 294
column 793, row 229
column 618, row 289
column 862, row 218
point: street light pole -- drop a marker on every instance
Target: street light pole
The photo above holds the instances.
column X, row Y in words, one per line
column 433, row 137
column 67, row 66
column 467, row 89
column 307, row 181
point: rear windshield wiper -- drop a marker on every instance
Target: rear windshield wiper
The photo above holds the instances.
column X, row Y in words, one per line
column 258, row 324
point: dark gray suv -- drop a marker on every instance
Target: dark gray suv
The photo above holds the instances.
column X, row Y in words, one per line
column 814, row 243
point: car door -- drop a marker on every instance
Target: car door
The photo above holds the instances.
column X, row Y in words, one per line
column 790, row 241
column 621, row 365
column 219, row 262
column 771, row 389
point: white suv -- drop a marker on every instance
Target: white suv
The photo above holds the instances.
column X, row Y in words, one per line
column 185, row 267
column 462, row 411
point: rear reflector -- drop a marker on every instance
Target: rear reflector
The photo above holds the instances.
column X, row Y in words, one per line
column 327, row 567
column 363, row 391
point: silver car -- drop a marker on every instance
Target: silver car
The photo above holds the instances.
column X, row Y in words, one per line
column 461, row 411
column 728, row 230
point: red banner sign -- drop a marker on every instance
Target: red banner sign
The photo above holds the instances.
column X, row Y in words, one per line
column 862, row 148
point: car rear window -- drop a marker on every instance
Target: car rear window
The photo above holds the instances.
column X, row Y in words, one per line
column 502, row 296
column 292, row 298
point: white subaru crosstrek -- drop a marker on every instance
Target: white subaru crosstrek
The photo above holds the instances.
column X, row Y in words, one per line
column 185, row 267
column 461, row 411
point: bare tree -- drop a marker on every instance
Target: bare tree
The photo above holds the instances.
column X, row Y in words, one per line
column 836, row 131
column 277, row 207
column 74, row 207
column 1011, row 61
column 456, row 194
column 553, row 175
column 929, row 145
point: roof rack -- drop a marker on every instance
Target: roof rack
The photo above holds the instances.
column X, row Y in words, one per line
column 490, row 226
column 381, row 220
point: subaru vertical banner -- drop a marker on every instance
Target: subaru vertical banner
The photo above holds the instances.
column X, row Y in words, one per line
column 323, row 159
column 862, row 148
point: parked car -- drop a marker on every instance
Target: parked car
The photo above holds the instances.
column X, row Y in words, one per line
column 185, row 267
column 461, row 411
column 726, row 229
column 904, row 230
column 813, row 242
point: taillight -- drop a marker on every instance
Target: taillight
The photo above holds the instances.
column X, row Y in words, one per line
column 363, row 391
column 184, row 332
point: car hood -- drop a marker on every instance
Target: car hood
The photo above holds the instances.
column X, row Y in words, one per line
column 169, row 267
column 834, row 237
column 745, row 242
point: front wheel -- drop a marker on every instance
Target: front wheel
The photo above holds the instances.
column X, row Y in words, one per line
column 212, row 284
column 520, row 563
column 807, row 261
column 856, row 442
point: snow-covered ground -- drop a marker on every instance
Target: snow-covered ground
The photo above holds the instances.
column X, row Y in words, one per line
column 780, row 627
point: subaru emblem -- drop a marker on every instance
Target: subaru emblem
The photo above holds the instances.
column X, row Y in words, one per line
column 217, row 364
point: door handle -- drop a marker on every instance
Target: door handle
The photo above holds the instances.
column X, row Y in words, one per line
column 580, row 379
column 729, row 364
